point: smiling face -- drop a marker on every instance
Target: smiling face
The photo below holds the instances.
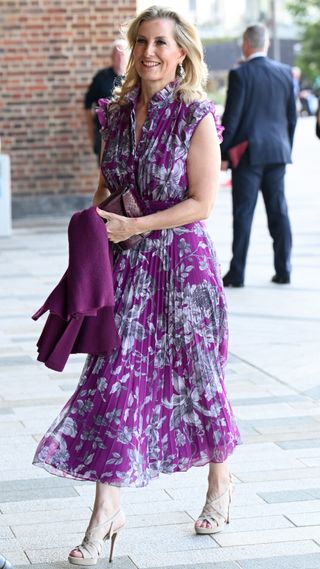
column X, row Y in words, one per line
column 156, row 53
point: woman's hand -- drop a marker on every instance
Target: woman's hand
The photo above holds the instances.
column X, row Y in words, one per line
column 119, row 228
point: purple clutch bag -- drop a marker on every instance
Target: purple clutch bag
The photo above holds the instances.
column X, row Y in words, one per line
column 128, row 204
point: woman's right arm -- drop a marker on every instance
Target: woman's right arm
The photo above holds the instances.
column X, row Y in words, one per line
column 102, row 192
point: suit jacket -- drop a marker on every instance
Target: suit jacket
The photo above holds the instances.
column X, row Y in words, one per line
column 81, row 318
column 260, row 108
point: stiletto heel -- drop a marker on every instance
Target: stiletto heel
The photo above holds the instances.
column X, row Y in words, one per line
column 113, row 539
column 91, row 546
column 216, row 512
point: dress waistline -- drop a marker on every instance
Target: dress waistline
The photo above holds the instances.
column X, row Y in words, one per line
column 154, row 206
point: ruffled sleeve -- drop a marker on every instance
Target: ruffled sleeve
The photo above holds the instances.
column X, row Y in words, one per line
column 102, row 114
column 217, row 120
column 197, row 111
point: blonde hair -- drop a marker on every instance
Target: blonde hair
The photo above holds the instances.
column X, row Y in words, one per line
column 192, row 85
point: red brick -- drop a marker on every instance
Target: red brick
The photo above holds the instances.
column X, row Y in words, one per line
column 49, row 51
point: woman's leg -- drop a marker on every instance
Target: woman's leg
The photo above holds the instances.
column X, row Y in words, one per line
column 218, row 483
column 106, row 504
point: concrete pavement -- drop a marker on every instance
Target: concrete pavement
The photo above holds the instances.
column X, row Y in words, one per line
column 273, row 382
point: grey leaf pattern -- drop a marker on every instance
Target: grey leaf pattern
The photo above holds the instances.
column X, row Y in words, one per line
column 158, row 403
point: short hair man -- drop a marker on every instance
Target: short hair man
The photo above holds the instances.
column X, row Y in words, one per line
column 261, row 111
column 102, row 85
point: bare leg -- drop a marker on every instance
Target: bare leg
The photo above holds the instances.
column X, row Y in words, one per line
column 107, row 503
column 218, row 482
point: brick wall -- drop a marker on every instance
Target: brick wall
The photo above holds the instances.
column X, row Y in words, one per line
column 49, row 51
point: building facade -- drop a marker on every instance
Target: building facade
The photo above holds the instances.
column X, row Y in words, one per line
column 49, row 51
column 228, row 18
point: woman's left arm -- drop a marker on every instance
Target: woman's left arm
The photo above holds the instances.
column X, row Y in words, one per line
column 203, row 170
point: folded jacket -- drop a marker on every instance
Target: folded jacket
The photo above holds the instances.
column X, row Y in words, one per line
column 81, row 315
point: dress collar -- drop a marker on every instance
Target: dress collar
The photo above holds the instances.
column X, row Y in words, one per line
column 165, row 95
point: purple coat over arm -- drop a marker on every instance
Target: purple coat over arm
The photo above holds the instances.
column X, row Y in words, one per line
column 81, row 316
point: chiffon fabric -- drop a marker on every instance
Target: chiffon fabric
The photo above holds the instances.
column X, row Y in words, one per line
column 158, row 403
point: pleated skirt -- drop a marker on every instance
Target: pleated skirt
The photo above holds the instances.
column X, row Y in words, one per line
column 158, row 403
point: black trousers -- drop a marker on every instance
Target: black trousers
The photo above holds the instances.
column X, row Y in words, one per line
column 97, row 145
column 247, row 180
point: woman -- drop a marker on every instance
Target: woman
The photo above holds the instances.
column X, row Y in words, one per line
column 158, row 404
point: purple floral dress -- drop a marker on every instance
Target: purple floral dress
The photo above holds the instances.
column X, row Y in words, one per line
column 158, row 404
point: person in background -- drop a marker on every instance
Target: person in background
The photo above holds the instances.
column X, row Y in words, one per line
column 101, row 86
column 261, row 111
column 4, row 562
column 316, row 86
column 318, row 120
column 296, row 74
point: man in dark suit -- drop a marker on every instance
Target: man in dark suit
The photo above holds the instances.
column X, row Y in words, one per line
column 261, row 110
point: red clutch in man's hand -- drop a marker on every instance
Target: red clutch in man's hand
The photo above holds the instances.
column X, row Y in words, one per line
column 128, row 204
column 236, row 153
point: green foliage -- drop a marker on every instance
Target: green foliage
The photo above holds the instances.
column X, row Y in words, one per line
column 301, row 8
column 309, row 58
column 307, row 15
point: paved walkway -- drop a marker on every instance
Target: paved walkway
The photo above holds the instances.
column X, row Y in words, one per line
column 273, row 380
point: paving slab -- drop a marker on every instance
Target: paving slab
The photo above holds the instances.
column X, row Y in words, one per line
column 6, row 411
column 41, row 504
column 267, row 536
column 277, row 475
column 15, row 360
column 47, row 561
column 299, row 444
column 304, row 519
column 227, row 565
column 37, row 493
column 289, row 496
column 309, row 561
column 272, row 379
column 32, row 483
column 223, row 554
column 17, row 557
column 35, row 521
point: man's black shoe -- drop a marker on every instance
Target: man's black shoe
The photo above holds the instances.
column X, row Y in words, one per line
column 280, row 280
column 229, row 282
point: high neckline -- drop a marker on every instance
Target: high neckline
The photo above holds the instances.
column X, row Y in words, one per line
column 161, row 97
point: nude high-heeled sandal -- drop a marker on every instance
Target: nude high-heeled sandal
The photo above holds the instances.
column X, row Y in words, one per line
column 216, row 512
column 91, row 546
